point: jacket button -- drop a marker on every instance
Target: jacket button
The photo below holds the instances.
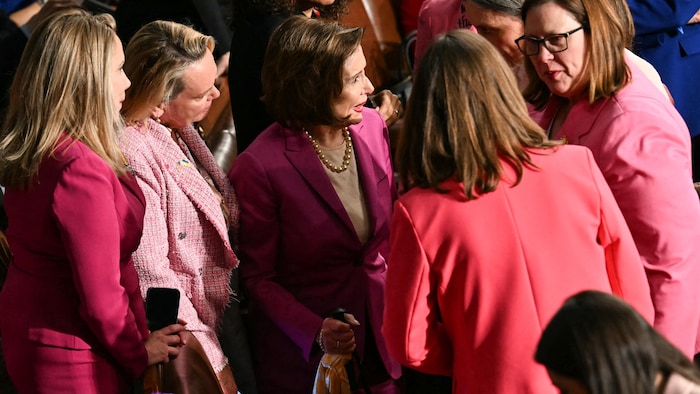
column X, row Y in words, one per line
column 181, row 235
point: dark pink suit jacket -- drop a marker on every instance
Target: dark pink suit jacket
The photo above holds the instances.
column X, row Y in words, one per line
column 72, row 283
column 300, row 255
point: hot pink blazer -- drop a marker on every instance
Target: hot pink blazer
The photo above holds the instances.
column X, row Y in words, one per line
column 642, row 146
column 300, row 255
column 472, row 284
column 72, row 283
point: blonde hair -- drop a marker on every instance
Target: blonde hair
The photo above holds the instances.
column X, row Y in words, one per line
column 63, row 85
column 465, row 116
column 156, row 59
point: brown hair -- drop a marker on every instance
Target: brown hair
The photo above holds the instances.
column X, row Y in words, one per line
column 607, row 32
column 156, row 59
column 303, row 70
column 465, row 116
column 63, row 85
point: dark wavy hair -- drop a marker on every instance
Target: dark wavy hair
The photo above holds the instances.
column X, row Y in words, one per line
column 600, row 341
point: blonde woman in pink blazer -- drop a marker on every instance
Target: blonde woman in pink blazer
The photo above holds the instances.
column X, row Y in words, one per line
column 191, row 209
column 71, row 312
column 591, row 96
column 494, row 232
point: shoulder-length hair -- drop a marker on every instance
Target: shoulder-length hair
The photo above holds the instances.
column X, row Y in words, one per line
column 302, row 73
column 156, row 59
column 603, row 343
column 62, row 85
column 608, row 32
column 464, row 117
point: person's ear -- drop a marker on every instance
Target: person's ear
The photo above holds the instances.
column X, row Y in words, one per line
column 157, row 112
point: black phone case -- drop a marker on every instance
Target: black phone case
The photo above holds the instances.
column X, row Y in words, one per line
column 162, row 306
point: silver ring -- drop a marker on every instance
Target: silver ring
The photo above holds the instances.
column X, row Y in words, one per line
column 337, row 344
column 396, row 111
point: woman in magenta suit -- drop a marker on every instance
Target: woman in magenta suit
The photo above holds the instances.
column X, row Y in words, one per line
column 591, row 96
column 315, row 191
column 494, row 232
column 71, row 313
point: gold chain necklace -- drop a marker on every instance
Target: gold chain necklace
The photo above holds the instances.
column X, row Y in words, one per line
column 324, row 159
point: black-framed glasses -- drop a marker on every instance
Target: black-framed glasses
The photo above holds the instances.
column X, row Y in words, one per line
column 530, row 46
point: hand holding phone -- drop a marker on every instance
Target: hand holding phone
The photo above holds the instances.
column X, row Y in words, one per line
column 162, row 305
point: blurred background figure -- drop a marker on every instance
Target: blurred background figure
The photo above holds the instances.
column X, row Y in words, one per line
column 71, row 313
column 598, row 344
column 589, row 94
column 316, row 190
column 472, row 276
column 668, row 36
column 191, row 207
column 436, row 17
column 14, row 33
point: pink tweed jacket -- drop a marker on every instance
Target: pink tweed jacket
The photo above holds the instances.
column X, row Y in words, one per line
column 185, row 241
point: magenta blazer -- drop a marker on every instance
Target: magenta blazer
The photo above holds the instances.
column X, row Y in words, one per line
column 642, row 146
column 300, row 256
column 472, row 284
column 72, row 288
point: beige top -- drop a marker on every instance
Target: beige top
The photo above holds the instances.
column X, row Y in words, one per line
column 347, row 185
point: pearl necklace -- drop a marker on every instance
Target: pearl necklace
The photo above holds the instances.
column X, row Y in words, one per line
column 324, row 159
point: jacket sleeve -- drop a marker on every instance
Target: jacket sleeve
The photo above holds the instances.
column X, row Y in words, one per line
column 259, row 240
column 84, row 207
column 624, row 267
column 654, row 15
column 152, row 256
column 414, row 336
column 649, row 175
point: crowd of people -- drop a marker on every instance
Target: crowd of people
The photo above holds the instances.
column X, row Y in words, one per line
column 535, row 231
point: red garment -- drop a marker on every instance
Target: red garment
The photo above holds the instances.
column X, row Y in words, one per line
column 471, row 284
column 71, row 294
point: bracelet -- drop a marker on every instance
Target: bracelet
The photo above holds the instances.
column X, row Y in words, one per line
column 319, row 341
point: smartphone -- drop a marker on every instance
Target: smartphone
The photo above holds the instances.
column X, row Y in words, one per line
column 162, row 305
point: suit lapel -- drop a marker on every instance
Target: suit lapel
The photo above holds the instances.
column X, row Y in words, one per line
column 304, row 159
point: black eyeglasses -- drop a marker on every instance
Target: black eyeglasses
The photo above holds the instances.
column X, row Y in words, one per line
column 530, row 46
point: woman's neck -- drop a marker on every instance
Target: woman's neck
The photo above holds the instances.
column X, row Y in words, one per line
column 328, row 136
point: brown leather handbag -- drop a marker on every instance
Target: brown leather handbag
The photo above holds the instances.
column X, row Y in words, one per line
column 189, row 373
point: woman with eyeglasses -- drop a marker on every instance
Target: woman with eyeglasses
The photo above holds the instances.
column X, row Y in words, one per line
column 588, row 94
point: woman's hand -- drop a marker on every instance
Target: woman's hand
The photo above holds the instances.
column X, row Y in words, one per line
column 164, row 344
column 337, row 337
column 388, row 106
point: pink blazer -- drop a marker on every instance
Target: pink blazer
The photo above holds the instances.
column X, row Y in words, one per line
column 72, row 284
column 300, row 256
column 642, row 146
column 185, row 243
column 471, row 284
column 434, row 18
